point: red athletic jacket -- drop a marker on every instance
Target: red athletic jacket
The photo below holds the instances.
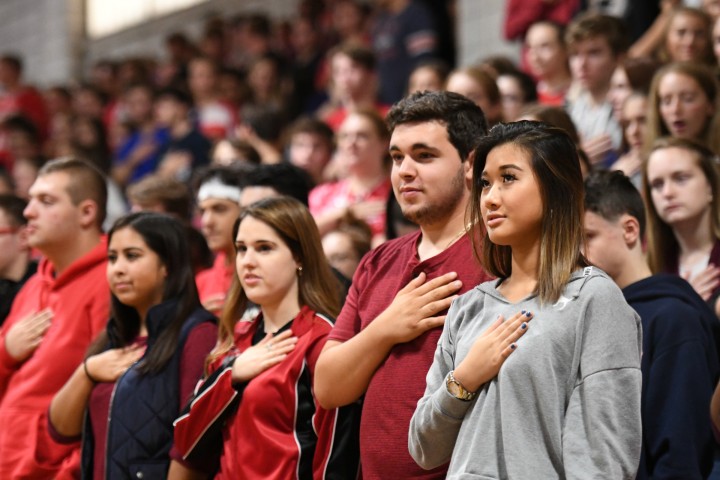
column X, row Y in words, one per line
column 279, row 430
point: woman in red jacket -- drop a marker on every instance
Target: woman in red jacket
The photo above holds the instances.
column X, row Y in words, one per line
column 260, row 396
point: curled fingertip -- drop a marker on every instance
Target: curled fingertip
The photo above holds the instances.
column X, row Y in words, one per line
column 523, row 326
column 528, row 314
column 513, row 346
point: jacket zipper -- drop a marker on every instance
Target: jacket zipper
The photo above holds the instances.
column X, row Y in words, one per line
column 110, row 407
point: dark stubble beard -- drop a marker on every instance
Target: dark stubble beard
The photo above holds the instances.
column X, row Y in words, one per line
column 431, row 214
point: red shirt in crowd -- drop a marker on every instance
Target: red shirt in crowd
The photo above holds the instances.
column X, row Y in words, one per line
column 399, row 383
column 215, row 282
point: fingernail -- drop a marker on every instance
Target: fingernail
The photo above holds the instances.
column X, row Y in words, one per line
column 512, row 346
column 528, row 314
column 523, row 326
column 523, row 312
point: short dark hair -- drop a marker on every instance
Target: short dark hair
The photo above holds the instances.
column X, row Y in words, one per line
column 312, row 126
column 13, row 207
column 360, row 55
column 465, row 121
column 13, row 61
column 527, row 85
column 177, row 95
column 258, row 24
column 87, row 182
column 22, row 124
column 284, row 178
column 149, row 89
column 611, row 194
column 227, row 175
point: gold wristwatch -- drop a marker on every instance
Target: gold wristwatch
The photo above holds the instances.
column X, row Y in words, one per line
column 456, row 388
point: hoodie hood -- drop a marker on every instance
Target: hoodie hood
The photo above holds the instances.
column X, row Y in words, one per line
column 571, row 292
column 663, row 286
column 91, row 259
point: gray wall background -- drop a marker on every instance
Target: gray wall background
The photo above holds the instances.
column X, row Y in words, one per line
column 49, row 34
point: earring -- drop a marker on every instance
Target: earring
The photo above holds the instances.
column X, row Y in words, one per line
column 299, row 271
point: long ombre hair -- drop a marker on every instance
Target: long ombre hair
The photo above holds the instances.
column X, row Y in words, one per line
column 556, row 167
column 661, row 242
column 318, row 288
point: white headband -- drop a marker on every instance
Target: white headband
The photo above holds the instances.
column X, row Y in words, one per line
column 214, row 188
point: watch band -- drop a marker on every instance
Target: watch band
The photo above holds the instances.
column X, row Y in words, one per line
column 456, row 389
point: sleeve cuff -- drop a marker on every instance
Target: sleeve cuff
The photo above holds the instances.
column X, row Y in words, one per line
column 450, row 406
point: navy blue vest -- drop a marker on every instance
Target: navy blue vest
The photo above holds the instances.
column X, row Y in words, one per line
column 143, row 408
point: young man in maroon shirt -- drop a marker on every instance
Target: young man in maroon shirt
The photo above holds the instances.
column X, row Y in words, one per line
column 384, row 339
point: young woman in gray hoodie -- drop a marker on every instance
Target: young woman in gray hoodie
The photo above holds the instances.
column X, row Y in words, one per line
column 555, row 397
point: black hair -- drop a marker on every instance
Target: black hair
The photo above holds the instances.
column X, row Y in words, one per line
column 284, row 178
column 13, row 207
column 227, row 175
column 612, row 194
column 176, row 94
column 21, row 123
column 359, row 55
column 527, row 85
column 165, row 236
column 14, row 61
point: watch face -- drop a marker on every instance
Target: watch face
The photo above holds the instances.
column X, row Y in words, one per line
column 454, row 389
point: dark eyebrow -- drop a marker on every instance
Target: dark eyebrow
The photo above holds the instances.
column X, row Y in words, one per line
column 257, row 242
column 510, row 166
column 416, row 146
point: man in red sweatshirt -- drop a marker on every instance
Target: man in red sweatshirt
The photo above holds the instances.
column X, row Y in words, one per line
column 54, row 317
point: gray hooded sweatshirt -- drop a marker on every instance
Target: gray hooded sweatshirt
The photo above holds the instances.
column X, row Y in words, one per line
column 566, row 402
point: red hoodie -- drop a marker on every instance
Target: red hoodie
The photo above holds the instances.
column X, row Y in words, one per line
column 216, row 280
column 80, row 301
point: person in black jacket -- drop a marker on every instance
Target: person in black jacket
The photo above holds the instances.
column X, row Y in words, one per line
column 143, row 368
column 680, row 332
